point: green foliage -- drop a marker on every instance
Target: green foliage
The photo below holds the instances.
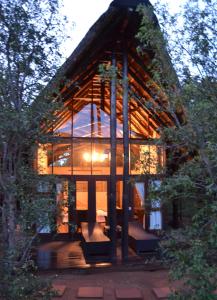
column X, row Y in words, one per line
column 107, row 72
column 24, row 284
column 190, row 40
column 30, row 34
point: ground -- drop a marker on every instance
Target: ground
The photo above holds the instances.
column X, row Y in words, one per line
column 109, row 280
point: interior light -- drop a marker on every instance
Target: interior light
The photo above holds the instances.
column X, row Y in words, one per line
column 87, row 157
column 95, row 157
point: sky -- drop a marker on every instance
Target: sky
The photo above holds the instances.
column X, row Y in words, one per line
column 82, row 14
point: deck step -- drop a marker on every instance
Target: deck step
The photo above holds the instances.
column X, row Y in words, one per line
column 90, row 292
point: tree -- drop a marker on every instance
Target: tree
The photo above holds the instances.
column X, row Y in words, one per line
column 30, row 35
column 190, row 39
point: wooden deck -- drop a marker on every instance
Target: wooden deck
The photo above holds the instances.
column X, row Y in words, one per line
column 60, row 255
column 69, row 255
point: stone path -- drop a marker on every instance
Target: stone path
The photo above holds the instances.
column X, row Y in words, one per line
column 114, row 284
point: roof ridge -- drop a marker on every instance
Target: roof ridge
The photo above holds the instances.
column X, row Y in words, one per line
column 129, row 3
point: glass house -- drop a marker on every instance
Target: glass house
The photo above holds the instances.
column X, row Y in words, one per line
column 103, row 146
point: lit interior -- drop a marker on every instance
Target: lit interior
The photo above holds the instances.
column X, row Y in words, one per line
column 94, row 159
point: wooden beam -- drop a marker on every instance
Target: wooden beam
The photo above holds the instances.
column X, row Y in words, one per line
column 155, row 115
column 124, row 240
column 167, row 117
column 113, row 125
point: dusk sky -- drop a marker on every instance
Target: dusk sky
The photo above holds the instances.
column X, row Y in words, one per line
column 83, row 13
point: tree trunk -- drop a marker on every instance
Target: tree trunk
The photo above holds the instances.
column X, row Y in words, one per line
column 9, row 229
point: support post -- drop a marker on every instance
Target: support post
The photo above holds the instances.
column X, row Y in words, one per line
column 124, row 245
column 91, row 200
column 112, row 199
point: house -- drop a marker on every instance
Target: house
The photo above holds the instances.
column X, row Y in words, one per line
column 104, row 145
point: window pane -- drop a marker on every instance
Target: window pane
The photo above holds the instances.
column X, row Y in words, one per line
column 101, row 201
column 101, row 119
column 155, row 220
column 139, row 124
column 155, row 214
column 44, row 159
column 119, row 159
column 81, row 195
column 100, row 159
column 64, row 128
column 146, row 159
column 62, row 207
column 119, row 112
column 82, row 119
column 62, row 159
column 81, row 158
column 139, row 202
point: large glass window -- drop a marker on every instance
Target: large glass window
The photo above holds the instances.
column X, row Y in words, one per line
column 146, row 159
column 54, row 159
column 88, row 158
column 84, row 144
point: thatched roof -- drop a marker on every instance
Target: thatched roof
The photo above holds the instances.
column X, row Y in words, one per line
column 115, row 29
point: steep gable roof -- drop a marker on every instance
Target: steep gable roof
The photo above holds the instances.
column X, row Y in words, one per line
column 113, row 31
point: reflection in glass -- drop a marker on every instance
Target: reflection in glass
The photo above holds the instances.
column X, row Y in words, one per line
column 139, row 202
column 82, row 119
column 155, row 214
column 139, row 195
column 44, row 159
column 62, row 207
column 119, row 112
column 155, row 220
column 94, row 120
column 81, row 195
column 101, row 119
column 64, row 129
column 62, row 159
column 146, row 159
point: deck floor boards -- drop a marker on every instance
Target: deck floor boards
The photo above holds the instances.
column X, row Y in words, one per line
column 69, row 254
